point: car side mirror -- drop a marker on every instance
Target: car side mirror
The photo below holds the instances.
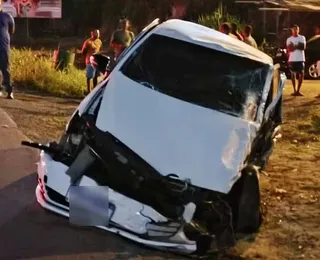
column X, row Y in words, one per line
column 100, row 62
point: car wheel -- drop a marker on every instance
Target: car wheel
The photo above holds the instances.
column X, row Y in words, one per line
column 249, row 214
column 312, row 72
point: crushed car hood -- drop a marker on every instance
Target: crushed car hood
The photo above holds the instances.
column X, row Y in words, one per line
column 174, row 136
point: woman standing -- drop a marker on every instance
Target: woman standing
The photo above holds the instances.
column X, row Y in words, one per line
column 121, row 38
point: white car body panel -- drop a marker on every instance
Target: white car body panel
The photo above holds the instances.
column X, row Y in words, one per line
column 210, row 38
column 214, row 143
column 85, row 102
column 48, row 204
column 129, row 213
column 56, row 172
column 196, row 143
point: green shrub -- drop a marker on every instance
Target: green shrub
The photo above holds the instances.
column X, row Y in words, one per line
column 218, row 17
column 267, row 48
column 33, row 72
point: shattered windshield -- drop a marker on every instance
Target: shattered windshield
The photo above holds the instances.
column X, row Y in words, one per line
column 199, row 75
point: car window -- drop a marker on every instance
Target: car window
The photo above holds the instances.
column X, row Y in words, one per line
column 198, row 75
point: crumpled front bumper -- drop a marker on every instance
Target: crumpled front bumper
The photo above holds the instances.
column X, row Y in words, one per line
column 46, row 166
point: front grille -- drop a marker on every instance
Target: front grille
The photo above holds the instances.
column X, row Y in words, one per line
column 56, row 197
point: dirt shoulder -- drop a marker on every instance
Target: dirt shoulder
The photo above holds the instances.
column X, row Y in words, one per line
column 290, row 192
column 40, row 117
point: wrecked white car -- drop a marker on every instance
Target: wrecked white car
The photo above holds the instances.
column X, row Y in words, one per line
column 167, row 150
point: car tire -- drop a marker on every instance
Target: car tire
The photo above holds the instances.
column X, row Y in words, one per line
column 249, row 214
column 311, row 71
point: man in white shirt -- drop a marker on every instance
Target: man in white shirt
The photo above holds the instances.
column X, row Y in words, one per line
column 296, row 44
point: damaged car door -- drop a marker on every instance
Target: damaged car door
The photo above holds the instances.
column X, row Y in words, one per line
column 263, row 144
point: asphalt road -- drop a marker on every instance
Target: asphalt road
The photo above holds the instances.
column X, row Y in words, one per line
column 29, row 232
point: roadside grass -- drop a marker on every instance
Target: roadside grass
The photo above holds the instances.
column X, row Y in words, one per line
column 291, row 191
column 37, row 72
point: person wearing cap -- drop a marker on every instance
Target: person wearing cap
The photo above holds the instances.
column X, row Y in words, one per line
column 90, row 47
column 296, row 44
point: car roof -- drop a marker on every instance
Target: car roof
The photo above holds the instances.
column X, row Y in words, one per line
column 210, row 38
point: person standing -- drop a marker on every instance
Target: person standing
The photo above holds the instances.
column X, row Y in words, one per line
column 226, row 29
column 317, row 33
column 247, row 36
column 7, row 28
column 296, row 44
column 121, row 38
column 234, row 31
column 90, row 47
column 316, row 36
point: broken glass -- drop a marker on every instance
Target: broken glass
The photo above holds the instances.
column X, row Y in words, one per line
column 199, row 75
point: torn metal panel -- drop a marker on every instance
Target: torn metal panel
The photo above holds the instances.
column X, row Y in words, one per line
column 182, row 132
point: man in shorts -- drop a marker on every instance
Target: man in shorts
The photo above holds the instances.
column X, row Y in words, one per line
column 296, row 44
column 90, row 47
